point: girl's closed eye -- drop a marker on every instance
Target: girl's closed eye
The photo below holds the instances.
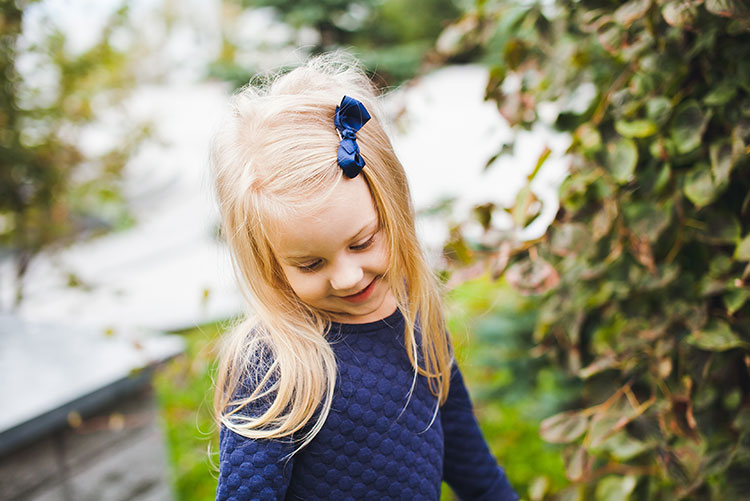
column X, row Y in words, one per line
column 316, row 265
column 310, row 267
column 364, row 245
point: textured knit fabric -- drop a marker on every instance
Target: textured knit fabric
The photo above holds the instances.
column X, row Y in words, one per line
column 373, row 444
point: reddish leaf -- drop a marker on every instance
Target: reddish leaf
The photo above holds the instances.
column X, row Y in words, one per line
column 532, row 277
column 564, row 427
column 728, row 8
column 631, row 11
column 577, row 464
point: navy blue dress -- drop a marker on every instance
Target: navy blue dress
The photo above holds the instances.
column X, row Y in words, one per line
column 373, row 444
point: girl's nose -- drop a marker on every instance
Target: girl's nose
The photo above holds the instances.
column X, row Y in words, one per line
column 347, row 276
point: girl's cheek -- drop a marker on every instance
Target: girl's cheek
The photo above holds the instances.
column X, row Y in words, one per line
column 306, row 284
column 382, row 256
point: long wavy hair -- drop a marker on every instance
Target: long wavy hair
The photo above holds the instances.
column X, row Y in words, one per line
column 276, row 154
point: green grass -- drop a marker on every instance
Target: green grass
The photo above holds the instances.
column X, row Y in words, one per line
column 491, row 329
column 184, row 392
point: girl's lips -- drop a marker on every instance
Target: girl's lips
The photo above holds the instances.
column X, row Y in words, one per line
column 361, row 295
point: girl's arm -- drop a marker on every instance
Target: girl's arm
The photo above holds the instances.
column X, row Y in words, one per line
column 252, row 469
column 468, row 465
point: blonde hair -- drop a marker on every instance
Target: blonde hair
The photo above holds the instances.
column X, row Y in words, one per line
column 276, row 149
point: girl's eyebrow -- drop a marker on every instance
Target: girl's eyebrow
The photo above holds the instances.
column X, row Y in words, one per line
column 371, row 226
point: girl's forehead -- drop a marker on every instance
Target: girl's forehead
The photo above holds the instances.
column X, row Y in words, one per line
column 345, row 214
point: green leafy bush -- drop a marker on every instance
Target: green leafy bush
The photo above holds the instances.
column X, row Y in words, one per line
column 392, row 43
column 491, row 328
column 52, row 190
column 644, row 274
column 184, row 388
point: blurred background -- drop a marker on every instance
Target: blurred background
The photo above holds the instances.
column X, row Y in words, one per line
column 580, row 171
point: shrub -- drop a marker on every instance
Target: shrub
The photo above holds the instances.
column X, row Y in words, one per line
column 646, row 264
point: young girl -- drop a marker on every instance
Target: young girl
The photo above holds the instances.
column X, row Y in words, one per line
column 340, row 383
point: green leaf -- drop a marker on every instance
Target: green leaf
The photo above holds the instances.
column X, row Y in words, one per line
column 631, row 11
column 615, row 488
column 611, row 36
column 527, row 207
column 622, row 158
column 623, row 447
column 456, row 249
column 569, row 238
column 577, row 464
column 658, row 109
column 719, row 227
column 680, row 13
column 590, row 139
column 538, row 488
column 700, row 187
column 602, row 428
column 742, row 252
column 728, row 8
column 636, row 128
column 674, row 467
column 688, row 125
column 648, row 219
column 721, row 94
column 722, row 159
column 574, row 189
column 662, row 147
column 742, row 419
column 716, row 336
column 662, row 179
column 704, row 397
column 597, row 366
column 719, row 265
column 483, row 214
column 564, row 427
column 735, row 299
column 602, row 221
column 718, row 461
column 711, row 286
column 574, row 492
column 543, row 156
column 743, row 73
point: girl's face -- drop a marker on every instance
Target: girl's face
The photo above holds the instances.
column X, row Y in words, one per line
column 334, row 257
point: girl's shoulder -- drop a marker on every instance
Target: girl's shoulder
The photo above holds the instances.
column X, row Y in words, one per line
column 247, row 371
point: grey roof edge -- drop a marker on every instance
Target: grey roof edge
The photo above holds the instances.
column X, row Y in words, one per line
column 24, row 433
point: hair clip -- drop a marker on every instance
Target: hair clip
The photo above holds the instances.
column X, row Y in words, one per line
column 350, row 116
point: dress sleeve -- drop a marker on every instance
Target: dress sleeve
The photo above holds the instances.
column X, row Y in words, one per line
column 252, row 469
column 468, row 465
column 257, row 469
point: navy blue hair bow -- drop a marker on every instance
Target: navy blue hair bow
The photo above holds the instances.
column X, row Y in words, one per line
column 350, row 116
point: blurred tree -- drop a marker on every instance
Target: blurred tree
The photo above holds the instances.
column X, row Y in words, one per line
column 334, row 20
column 397, row 39
column 50, row 190
column 385, row 35
column 644, row 276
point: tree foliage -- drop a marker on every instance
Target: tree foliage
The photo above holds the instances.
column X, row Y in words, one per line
column 392, row 38
column 51, row 191
column 644, row 275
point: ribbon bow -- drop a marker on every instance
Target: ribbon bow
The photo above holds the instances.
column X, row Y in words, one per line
column 350, row 116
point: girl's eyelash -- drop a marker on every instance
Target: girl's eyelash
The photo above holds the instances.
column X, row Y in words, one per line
column 307, row 268
column 364, row 245
column 310, row 267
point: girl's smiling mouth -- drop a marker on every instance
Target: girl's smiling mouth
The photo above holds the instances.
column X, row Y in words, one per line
column 362, row 295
